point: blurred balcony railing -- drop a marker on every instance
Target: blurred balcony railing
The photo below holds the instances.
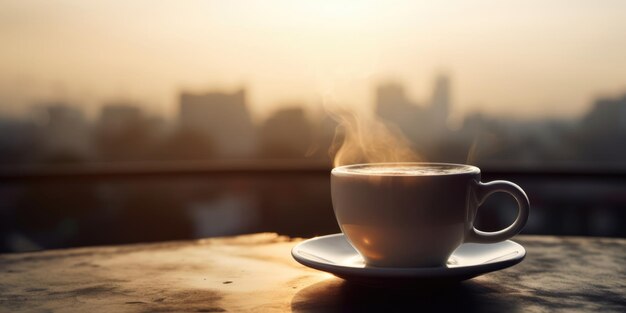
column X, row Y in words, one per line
column 264, row 168
column 107, row 171
column 57, row 206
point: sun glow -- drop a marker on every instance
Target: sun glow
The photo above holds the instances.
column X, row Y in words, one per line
column 286, row 50
column 339, row 12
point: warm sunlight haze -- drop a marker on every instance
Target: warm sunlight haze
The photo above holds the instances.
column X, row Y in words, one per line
column 312, row 156
column 507, row 58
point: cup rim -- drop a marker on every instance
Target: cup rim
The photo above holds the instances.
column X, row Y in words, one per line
column 344, row 169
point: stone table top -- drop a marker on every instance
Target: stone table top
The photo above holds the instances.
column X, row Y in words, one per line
column 255, row 273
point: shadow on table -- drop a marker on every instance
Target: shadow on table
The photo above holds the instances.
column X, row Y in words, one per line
column 337, row 295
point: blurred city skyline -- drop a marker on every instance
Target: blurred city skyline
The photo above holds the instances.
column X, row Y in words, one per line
column 212, row 125
column 507, row 58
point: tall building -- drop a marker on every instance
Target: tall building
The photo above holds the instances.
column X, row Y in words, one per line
column 440, row 102
column 66, row 131
column 286, row 134
column 117, row 117
column 607, row 115
column 223, row 117
column 423, row 125
column 392, row 102
column 395, row 107
column 602, row 132
column 125, row 133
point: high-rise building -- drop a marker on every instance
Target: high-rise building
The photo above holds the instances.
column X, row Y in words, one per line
column 123, row 133
column 118, row 116
column 421, row 124
column 287, row 133
column 393, row 105
column 440, row 102
column 223, row 117
column 65, row 130
column 607, row 115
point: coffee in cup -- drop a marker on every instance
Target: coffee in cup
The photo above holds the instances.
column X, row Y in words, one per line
column 415, row 214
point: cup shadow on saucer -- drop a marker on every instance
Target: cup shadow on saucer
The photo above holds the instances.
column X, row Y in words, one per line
column 337, row 295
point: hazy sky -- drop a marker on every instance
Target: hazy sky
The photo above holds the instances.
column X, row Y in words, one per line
column 523, row 58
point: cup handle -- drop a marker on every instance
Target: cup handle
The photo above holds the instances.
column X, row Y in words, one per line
column 482, row 192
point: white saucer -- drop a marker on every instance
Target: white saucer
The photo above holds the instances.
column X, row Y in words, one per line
column 333, row 254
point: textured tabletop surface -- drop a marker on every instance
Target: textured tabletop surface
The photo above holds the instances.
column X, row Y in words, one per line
column 255, row 273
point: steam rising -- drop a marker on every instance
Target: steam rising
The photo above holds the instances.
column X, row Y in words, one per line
column 363, row 139
column 473, row 152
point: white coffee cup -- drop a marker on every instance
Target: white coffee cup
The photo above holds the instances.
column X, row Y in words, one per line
column 415, row 214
